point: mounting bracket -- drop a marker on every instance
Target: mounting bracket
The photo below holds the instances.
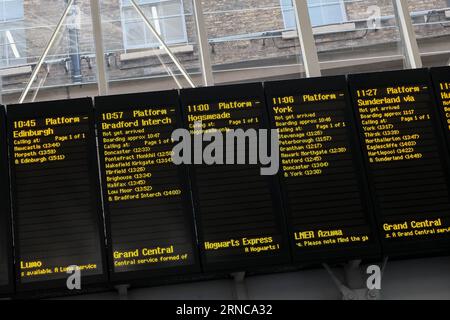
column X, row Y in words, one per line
column 240, row 287
column 122, row 290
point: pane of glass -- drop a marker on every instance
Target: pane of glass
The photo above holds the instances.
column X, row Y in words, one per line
column 173, row 30
column 135, row 35
column 130, row 14
column 358, row 36
column 148, row 11
column 20, row 45
column 315, row 13
column 15, row 45
column 167, row 17
column 4, row 50
column 171, row 21
column 69, row 70
column 324, row 12
column 250, row 40
column 321, row 12
column 431, row 21
column 170, row 8
column 148, row 67
column 13, row 10
column 289, row 19
column 128, row 3
column 332, row 13
column 12, row 42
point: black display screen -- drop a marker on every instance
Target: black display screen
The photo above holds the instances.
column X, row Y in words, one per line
column 322, row 177
column 441, row 79
column 55, row 193
column 6, row 262
column 238, row 210
column 406, row 162
column 149, row 215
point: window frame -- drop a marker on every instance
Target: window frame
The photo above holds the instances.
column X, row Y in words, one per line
column 160, row 27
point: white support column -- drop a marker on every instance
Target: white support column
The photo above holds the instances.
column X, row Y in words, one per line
column 45, row 53
column 306, row 36
column 102, row 78
column 408, row 35
column 202, row 38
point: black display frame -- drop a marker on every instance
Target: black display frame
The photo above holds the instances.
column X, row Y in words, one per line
column 229, row 93
column 5, row 206
column 406, row 247
column 439, row 74
column 71, row 107
column 368, row 251
column 128, row 102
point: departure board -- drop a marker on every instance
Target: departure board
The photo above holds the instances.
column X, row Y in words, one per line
column 238, row 210
column 6, row 261
column 441, row 79
column 149, row 215
column 56, row 193
column 406, row 162
column 322, row 176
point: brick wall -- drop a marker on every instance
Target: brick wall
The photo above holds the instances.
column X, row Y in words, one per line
column 224, row 18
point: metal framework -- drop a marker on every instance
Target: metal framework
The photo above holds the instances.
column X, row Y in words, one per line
column 46, row 51
column 305, row 33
